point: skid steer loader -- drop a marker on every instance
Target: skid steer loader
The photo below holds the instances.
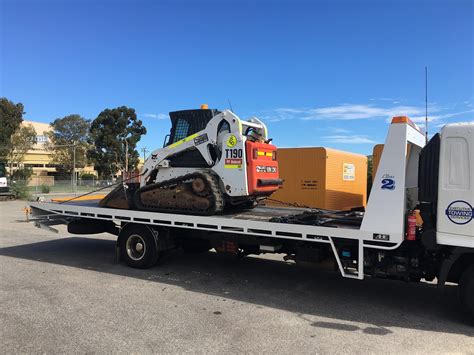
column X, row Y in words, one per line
column 210, row 162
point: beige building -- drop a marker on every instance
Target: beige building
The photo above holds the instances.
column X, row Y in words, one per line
column 39, row 158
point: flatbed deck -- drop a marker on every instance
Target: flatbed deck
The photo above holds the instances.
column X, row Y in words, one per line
column 256, row 222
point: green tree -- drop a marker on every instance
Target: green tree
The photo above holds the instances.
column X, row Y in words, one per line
column 69, row 132
column 20, row 142
column 111, row 132
column 11, row 116
column 370, row 178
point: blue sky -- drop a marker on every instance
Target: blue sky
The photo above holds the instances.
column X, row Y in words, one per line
column 320, row 73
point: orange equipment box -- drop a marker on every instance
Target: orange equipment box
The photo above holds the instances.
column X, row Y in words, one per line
column 376, row 156
column 320, row 177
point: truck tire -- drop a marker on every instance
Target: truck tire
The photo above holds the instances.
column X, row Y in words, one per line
column 138, row 247
column 466, row 286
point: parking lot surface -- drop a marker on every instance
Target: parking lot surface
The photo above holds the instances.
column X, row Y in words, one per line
column 61, row 293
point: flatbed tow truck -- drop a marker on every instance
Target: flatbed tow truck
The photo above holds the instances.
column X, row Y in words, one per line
column 432, row 183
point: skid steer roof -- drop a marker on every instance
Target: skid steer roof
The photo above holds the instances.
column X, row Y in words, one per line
column 187, row 122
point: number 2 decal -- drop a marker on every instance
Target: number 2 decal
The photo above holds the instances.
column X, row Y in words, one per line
column 388, row 184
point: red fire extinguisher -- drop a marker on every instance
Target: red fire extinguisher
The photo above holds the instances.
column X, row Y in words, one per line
column 411, row 226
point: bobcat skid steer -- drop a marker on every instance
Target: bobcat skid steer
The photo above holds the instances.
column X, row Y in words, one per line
column 210, row 162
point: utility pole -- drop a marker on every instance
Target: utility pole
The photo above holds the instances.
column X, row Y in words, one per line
column 144, row 150
column 74, row 182
column 126, row 155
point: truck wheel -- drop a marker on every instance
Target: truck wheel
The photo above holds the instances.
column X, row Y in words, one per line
column 466, row 285
column 138, row 247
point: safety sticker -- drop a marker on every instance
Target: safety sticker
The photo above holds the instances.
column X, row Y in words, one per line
column 201, row 139
column 231, row 141
column 348, row 172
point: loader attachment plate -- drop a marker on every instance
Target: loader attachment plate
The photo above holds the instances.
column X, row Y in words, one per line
column 121, row 197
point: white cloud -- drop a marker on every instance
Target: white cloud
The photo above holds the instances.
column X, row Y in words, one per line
column 158, row 116
column 338, row 130
column 343, row 112
column 347, row 111
column 433, row 118
column 350, row 139
column 444, row 123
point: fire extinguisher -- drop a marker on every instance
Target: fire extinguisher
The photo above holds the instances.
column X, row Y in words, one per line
column 411, row 226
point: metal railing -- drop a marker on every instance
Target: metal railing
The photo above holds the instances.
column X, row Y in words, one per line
column 38, row 186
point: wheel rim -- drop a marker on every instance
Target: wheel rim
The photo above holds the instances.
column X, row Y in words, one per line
column 136, row 247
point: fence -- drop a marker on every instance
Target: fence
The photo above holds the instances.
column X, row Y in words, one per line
column 40, row 186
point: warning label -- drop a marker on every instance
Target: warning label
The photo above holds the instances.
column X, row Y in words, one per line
column 348, row 172
column 309, row 184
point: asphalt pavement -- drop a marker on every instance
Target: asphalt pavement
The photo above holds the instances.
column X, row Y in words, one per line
column 61, row 293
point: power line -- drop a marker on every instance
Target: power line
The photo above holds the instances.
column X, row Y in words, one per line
column 426, row 103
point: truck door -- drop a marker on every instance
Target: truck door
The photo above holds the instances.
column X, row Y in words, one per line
column 456, row 191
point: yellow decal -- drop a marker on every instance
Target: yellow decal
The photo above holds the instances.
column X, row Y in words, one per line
column 232, row 141
column 233, row 166
column 182, row 141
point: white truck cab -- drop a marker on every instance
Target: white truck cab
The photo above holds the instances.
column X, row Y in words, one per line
column 455, row 225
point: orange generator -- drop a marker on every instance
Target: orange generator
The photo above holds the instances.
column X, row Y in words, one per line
column 320, row 177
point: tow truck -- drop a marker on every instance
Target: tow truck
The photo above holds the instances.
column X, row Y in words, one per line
column 5, row 193
column 418, row 223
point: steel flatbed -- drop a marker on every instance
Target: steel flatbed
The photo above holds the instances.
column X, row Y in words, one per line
column 256, row 223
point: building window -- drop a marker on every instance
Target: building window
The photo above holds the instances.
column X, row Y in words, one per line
column 34, row 165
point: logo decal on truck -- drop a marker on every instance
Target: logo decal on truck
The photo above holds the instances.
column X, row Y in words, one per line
column 388, row 182
column 266, row 169
column 459, row 212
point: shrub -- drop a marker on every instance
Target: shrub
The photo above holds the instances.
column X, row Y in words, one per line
column 21, row 190
column 88, row 176
column 22, row 174
column 45, row 189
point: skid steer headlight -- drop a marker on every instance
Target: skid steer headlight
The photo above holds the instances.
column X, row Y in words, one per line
column 255, row 154
column 274, row 155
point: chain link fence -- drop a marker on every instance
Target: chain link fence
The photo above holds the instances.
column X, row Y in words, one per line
column 51, row 186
